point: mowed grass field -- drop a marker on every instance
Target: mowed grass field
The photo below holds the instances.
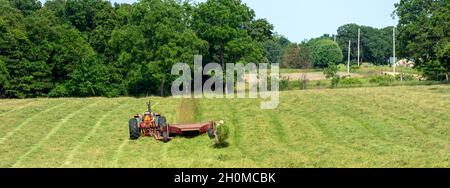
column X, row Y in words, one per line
column 363, row 127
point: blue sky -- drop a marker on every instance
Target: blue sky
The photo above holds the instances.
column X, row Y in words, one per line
column 304, row 19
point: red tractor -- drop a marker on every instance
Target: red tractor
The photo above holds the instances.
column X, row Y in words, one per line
column 154, row 125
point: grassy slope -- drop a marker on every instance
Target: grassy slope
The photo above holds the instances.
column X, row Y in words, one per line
column 365, row 127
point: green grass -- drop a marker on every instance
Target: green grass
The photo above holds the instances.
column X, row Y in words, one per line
column 407, row 126
column 370, row 81
column 290, row 70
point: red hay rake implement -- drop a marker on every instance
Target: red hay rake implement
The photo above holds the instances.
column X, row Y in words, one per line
column 152, row 124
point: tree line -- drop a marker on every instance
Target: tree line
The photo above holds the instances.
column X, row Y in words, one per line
column 87, row 48
column 375, row 47
column 81, row 48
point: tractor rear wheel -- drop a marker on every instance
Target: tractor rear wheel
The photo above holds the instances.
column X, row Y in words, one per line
column 134, row 129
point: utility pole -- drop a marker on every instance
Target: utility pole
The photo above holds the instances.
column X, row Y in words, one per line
column 393, row 49
column 334, row 38
column 348, row 58
column 359, row 39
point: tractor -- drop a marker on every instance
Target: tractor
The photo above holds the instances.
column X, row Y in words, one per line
column 152, row 124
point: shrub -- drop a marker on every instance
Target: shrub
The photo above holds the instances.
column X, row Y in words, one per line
column 354, row 67
column 324, row 52
column 284, row 85
column 222, row 134
column 342, row 67
column 382, row 80
column 351, row 81
column 60, row 90
column 335, row 81
column 330, row 71
column 405, row 77
column 303, row 84
column 319, row 83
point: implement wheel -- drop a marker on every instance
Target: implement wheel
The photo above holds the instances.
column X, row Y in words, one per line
column 134, row 129
column 165, row 133
column 211, row 133
column 165, row 137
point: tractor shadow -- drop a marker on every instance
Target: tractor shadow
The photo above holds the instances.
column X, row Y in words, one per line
column 221, row 145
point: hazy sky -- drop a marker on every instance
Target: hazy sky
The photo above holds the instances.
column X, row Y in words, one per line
column 304, row 19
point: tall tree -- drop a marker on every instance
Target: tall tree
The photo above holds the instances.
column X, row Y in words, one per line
column 261, row 30
column 325, row 52
column 27, row 7
column 165, row 26
column 290, row 56
column 4, row 78
column 275, row 47
column 91, row 48
column 224, row 23
column 424, row 31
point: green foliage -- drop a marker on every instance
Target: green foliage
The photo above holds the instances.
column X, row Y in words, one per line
column 330, row 71
column 297, row 56
column 91, row 48
column 223, row 133
column 90, row 78
column 433, row 70
column 303, row 84
column 335, row 81
column 223, row 24
column 324, row 52
column 444, row 58
column 424, row 30
column 275, row 48
column 59, row 90
column 350, row 81
column 4, row 78
column 375, row 45
column 405, row 77
column 273, row 51
column 244, row 50
column 27, row 7
column 261, row 30
column 382, row 80
column 290, row 58
column 284, row 85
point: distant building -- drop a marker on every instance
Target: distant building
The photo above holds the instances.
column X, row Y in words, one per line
column 405, row 63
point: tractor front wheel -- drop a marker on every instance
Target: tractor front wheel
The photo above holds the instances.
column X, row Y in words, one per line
column 134, row 129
